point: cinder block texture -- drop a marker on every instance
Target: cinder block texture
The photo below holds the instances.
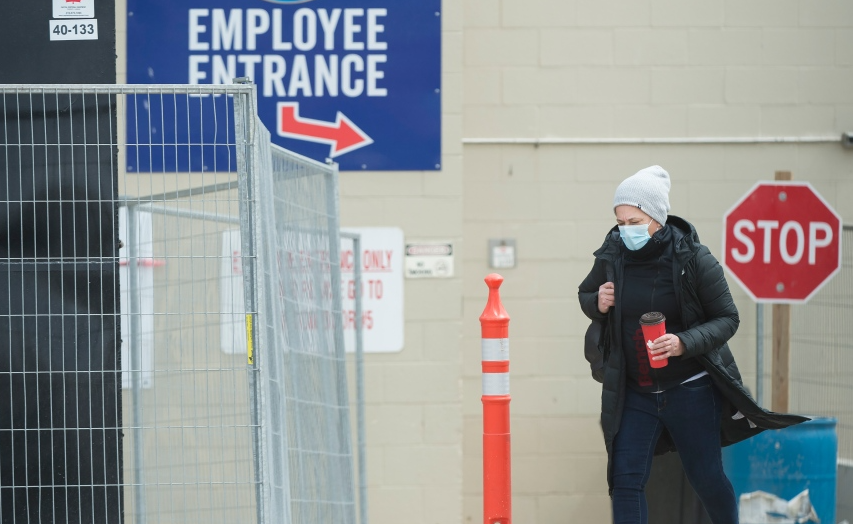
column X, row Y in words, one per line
column 613, row 13
column 762, row 13
column 829, row 13
column 500, row 121
column 575, row 46
column 389, row 503
column 825, row 85
column 729, row 46
column 422, row 466
column 722, row 120
column 571, row 69
column 794, row 120
column 481, row 13
column 650, row 46
column 617, row 85
column 689, row 13
column 482, row 85
column 501, row 47
column 799, row 47
column 688, row 86
column 576, row 121
column 537, row 13
column 540, row 86
column 771, row 85
column 650, row 120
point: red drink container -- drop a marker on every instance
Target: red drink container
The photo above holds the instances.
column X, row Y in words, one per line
column 654, row 327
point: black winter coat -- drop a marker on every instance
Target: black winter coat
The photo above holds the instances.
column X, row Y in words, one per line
column 711, row 319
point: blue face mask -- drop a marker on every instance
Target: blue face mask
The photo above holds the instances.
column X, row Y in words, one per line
column 635, row 237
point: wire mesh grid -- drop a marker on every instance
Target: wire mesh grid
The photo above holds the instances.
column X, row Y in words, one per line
column 305, row 383
column 136, row 256
column 60, row 414
column 822, row 351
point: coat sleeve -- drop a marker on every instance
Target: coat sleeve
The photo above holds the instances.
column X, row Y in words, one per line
column 588, row 290
column 718, row 309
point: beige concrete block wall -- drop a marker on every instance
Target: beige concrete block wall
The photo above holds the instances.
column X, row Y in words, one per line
column 613, row 69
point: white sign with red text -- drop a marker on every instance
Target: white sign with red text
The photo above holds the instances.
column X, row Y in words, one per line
column 381, row 251
column 381, row 290
column 73, row 8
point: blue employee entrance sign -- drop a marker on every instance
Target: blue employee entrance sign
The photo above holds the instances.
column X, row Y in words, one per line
column 355, row 81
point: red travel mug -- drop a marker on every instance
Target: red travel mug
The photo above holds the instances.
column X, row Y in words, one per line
column 654, row 327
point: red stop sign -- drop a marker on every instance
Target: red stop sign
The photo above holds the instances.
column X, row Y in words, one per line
column 782, row 242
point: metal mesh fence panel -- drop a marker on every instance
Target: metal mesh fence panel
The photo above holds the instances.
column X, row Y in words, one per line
column 136, row 255
column 822, row 351
column 60, row 408
column 306, row 404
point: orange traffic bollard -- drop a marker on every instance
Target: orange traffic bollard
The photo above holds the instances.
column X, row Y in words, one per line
column 497, row 485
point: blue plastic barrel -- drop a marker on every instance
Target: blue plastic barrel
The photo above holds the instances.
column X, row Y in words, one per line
column 784, row 462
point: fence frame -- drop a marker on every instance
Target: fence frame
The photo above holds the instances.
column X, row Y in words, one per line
column 249, row 133
column 134, row 206
column 359, row 381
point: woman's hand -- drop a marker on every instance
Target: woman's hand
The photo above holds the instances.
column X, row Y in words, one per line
column 666, row 346
column 606, row 297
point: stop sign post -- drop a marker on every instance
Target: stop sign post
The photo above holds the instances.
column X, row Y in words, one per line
column 782, row 242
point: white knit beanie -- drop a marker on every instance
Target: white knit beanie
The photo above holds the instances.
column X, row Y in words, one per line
column 648, row 190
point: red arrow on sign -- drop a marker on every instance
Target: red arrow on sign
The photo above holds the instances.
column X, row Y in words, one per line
column 344, row 136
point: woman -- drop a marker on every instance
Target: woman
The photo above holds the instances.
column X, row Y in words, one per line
column 653, row 261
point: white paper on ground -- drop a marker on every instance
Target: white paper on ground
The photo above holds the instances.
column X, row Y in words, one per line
column 760, row 507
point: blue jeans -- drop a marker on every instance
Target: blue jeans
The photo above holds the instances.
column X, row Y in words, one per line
column 691, row 414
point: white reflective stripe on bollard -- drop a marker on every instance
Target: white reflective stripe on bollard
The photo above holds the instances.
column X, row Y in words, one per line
column 495, row 349
column 495, row 384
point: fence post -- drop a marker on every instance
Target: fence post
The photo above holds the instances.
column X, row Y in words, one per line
column 781, row 345
column 497, row 486
column 135, row 310
column 248, row 164
column 359, row 383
